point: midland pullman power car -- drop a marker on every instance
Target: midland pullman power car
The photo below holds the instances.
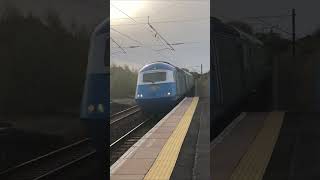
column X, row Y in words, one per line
column 161, row 85
column 240, row 67
column 95, row 99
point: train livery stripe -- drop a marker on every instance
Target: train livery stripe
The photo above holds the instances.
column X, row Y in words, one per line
column 253, row 164
column 163, row 166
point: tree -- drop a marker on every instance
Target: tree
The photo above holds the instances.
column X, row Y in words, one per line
column 40, row 65
column 11, row 13
column 53, row 20
column 123, row 81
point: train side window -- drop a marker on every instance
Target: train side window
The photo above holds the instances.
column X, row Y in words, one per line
column 179, row 82
column 216, row 76
column 230, row 61
column 245, row 58
column 106, row 57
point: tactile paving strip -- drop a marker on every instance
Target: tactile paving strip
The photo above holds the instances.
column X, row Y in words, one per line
column 253, row 164
column 163, row 166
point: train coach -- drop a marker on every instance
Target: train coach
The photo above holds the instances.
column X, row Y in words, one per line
column 95, row 99
column 240, row 66
column 161, row 85
column 94, row 110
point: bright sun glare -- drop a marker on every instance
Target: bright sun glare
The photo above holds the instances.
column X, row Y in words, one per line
column 131, row 8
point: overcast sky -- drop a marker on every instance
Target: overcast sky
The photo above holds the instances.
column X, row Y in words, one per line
column 87, row 12
column 177, row 21
column 307, row 19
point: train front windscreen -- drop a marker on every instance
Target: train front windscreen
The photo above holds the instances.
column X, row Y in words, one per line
column 154, row 77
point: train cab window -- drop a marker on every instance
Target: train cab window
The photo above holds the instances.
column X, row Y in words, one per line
column 154, row 77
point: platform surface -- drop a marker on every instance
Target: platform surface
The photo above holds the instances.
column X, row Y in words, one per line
column 154, row 156
column 193, row 162
column 296, row 155
column 243, row 150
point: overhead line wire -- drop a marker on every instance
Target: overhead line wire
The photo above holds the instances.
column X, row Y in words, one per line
column 158, row 22
column 136, row 22
column 123, row 12
column 127, row 36
column 157, row 33
column 118, row 45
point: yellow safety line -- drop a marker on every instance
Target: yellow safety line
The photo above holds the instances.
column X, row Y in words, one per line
column 253, row 164
column 166, row 160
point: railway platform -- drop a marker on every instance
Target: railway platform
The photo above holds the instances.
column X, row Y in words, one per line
column 268, row 145
column 173, row 149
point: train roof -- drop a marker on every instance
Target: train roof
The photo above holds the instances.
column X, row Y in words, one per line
column 221, row 28
column 158, row 65
column 97, row 53
column 162, row 65
column 101, row 28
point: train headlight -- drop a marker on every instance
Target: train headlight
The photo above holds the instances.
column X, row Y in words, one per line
column 100, row 108
column 90, row 108
column 96, row 108
column 169, row 93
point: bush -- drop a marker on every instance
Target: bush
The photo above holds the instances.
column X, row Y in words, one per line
column 39, row 67
column 123, row 82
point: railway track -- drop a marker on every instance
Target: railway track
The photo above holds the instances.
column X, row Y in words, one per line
column 51, row 163
column 57, row 161
column 124, row 114
column 121, row 145
column 124, row 121
column 126, row 128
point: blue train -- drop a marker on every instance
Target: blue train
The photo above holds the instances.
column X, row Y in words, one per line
column 95, row 99
column 240, row 68
column 94, row 110
column 161, row 85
